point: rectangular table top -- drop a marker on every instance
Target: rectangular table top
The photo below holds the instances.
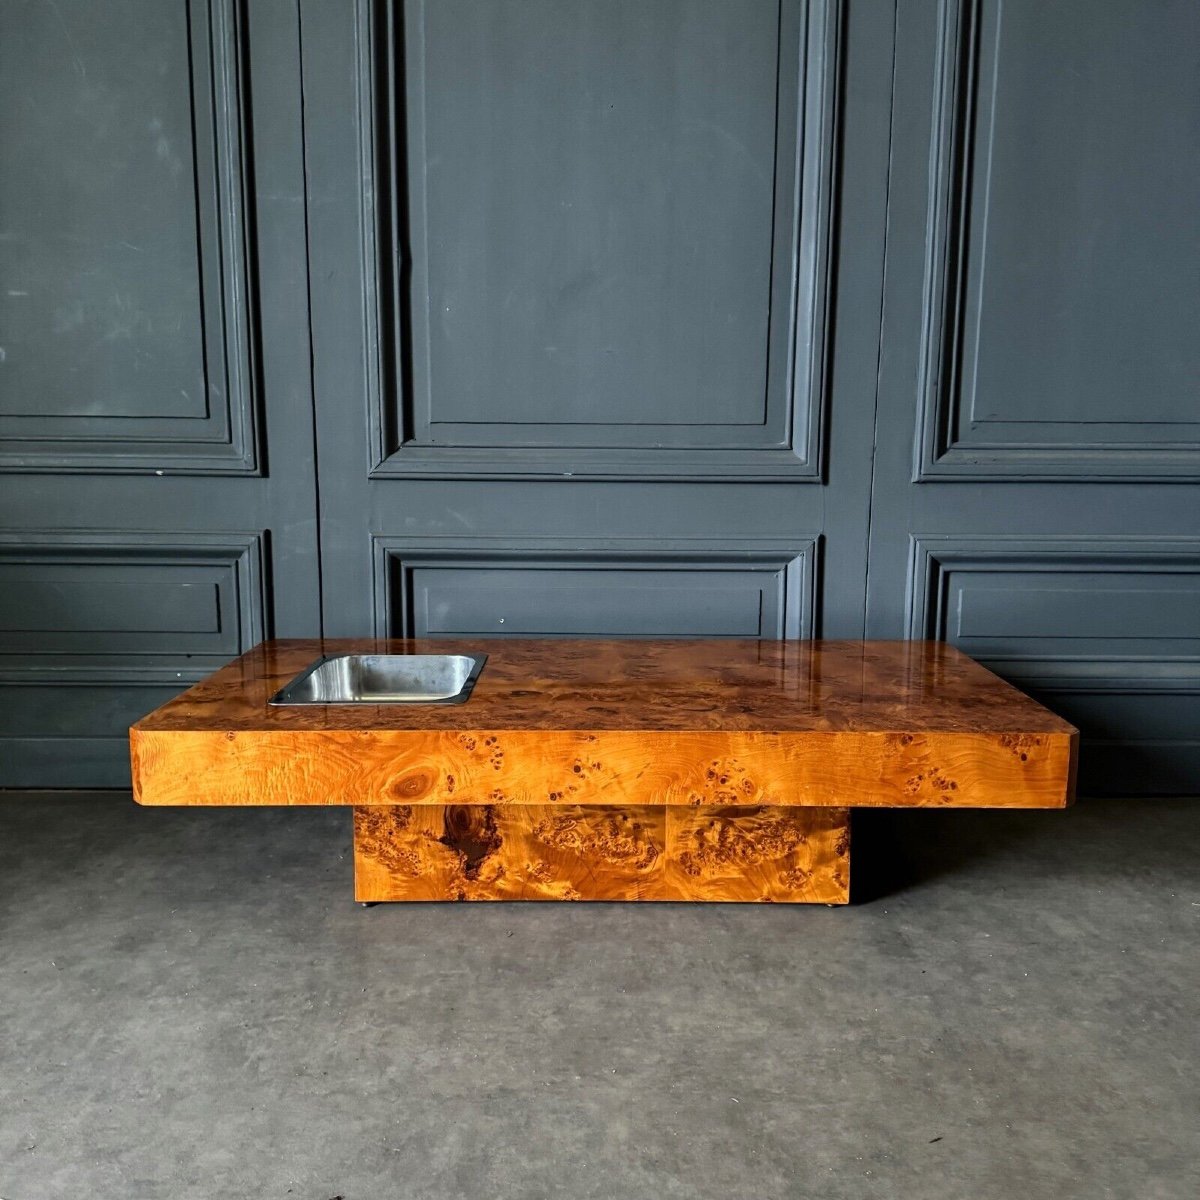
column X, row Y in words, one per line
column 612, row 723
column 711, row 684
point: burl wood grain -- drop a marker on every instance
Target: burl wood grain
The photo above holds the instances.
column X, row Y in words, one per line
column 627, row 724
column 508, row 768
column 590, row 852
column 713, row 685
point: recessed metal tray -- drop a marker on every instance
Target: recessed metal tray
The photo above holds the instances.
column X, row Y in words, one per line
column 385, row 679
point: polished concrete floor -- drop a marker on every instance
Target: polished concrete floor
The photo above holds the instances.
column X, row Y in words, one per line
column 192, row 1007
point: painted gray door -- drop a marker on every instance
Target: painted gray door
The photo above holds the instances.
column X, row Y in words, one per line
column 1035, row 494
column 154, row 366
column 572, row 315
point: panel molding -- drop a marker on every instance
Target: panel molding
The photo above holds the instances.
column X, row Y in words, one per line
column 934, row 558
column 395, row 450
column 227, row 441
column 395, row 558
column 947, row 447
column 242, row 553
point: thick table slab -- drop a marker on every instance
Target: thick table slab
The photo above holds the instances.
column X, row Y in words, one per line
column 615, row 770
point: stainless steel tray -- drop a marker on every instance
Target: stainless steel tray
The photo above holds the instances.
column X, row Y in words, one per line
column 385, row 679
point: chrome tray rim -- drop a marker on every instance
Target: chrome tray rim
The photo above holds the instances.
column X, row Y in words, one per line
column 281, row 699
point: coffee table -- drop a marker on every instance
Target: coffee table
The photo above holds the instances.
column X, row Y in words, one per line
column 614, row 770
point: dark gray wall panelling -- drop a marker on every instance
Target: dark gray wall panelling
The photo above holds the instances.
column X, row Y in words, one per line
column 585, row 307
column 123, row 605
column 1034, row 494
column 1065, row 610
column 125, row 303
column 539, row 587
column 1062, row 272
column 142, row 540
column 98, row 628
column 594, row 361
column 72, row 734
column 1107, row 629
column 612, row 223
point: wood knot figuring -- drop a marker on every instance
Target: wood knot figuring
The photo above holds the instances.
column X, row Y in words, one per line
column 722, row 845
column 726, row 782
column 472, row 834
column 934, row 780
column 411, row 787
column 375, row 831
column 1020, row 744
column 612, row 838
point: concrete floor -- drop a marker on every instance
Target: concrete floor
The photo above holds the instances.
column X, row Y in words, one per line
column 192, row 1007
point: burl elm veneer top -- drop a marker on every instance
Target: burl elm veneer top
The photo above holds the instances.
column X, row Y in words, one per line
column 693, row 685
column 619, row 723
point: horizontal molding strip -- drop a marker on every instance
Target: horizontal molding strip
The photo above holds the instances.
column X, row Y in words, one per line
column 395, row 557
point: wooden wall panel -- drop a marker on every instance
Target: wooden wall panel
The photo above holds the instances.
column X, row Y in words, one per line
column 1061, row 282
column 97, row 629
column 614, row 262
column 538, row 587
column 151, row 195
column 1037, row 440
column 125, row 310
column 135, row 600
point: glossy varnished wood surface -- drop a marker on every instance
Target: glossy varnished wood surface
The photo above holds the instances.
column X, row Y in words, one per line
column 578, row 852
column 699, row 723
column 688, row 685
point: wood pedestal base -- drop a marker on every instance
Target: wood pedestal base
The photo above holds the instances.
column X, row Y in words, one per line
column 594, row 852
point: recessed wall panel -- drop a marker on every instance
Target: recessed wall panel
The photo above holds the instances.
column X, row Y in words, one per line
column 530, row 588
column 1106, row 631
column 1063, row 281
column 126, row 606
column 610, row 218
column 125, row 294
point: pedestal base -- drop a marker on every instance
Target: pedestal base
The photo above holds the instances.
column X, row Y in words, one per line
column 601, row 852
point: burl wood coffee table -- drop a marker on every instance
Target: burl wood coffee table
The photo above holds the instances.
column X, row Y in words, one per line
column 615, row 770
